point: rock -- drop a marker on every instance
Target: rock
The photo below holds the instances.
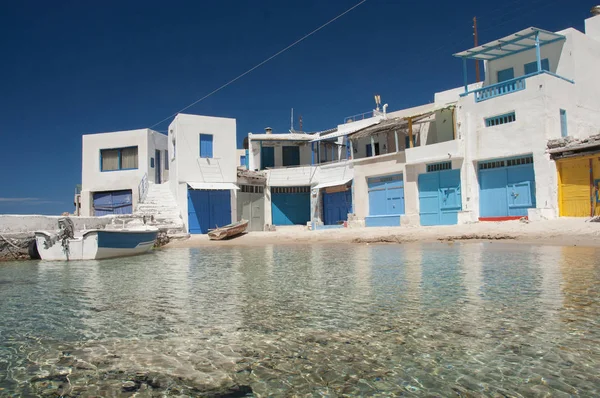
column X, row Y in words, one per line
column 129, row 386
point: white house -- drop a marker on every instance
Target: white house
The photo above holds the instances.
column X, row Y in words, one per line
column 203, row 170
column 538, row 86
column 115, row 167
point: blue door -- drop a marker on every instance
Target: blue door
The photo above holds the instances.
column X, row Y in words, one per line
column 112, row 202
column 157, row 173
column 291, row 155
column 506, row 187
column 386, row 200
column 336, row 207
column 290, row 205
column 208, row 210
column 267, row 157
column 439, row 197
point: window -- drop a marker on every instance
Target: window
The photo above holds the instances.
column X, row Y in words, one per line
column 506, row 74
column 494, row 164
column 501, row 119
column 563, row 123
column 243, row 160
column 252, row 188
column 206, row 146
column 166, row 160
column 370, row 151
column 439, row 166
column 532, row 66
column 290, row 190
column 152, row 162
column 119, row 159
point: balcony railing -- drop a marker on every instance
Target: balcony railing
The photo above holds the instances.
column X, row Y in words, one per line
column 143, row 188
column 508, row 86
column 503, row 88
column 360, row 116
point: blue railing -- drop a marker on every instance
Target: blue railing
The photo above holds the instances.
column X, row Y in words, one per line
column 496, row 90
column 508, row 86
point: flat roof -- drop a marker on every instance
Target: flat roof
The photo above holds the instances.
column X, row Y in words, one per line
column 512, row 44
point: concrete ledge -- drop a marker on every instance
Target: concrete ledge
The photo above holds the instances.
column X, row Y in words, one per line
column 10, row 223
column 383, row 221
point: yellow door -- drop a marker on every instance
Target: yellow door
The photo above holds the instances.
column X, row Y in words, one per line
column 574, row 187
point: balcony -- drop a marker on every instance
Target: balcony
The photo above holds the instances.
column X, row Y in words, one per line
column 433, row 152
column 290, row 176
column 503, row 88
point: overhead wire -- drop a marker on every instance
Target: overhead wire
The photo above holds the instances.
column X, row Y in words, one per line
column 263, row 62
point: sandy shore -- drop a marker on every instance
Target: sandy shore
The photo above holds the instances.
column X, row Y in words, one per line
column 564, row 231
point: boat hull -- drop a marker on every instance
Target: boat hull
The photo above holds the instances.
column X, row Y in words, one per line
column 97, row 245
column 228, row 231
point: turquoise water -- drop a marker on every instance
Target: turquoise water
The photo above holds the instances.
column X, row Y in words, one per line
column 476, row 319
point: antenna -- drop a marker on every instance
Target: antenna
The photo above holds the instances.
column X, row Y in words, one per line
column 300, row 121
column 292, row 121
column 477, row 78
column 377, row 101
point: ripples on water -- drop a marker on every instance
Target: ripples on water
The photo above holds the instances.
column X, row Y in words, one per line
column 417, row 320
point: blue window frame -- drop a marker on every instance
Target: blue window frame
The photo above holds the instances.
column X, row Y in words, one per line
column 531, row 67
column 206, row 146
column 563, row 123
column 116, row 159
column 506, row 74
column 166, row 160
column 500, row 119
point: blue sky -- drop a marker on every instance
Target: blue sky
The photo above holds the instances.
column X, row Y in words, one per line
column 72, row 67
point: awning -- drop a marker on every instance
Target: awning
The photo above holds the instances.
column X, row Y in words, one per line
column 350, row 128
column 512, row 44
column 223, row 186
column 399, row 121
column 332, row 183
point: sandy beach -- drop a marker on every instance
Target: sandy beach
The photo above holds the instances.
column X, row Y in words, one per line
column 564, row 231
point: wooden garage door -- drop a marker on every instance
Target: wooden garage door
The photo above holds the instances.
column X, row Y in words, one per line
column 574, row 175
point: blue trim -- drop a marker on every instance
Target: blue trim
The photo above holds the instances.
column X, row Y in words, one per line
column 500, row 119
column 563, row 123
column 318, row 227
column 206, row 145
column 526, row 49
column 560, row 77
column 388, row 220
column 151, row 163
column 486, row 51
column 538, row 56
column 124, row 240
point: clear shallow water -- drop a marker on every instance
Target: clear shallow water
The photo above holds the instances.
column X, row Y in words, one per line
column 431, row 320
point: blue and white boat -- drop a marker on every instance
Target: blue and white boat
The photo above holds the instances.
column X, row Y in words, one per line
column 94, row 244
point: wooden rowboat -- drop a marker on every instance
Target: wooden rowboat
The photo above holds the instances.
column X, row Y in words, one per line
column 228, row 231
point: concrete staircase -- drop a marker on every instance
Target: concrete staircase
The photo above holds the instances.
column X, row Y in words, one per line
column 161, row 205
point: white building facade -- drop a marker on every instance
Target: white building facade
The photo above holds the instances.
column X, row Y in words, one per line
column 116, row 166
column 203, row 170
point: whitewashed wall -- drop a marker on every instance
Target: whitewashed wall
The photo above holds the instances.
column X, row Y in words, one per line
column 95, row 180
column 186, row 164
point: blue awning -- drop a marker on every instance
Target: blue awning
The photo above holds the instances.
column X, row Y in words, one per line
column 512, row 44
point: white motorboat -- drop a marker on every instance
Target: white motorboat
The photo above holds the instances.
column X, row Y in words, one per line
column 94, row 244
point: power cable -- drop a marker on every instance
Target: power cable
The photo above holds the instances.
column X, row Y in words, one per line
column 262, row 63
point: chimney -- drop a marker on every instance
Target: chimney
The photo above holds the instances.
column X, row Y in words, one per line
column 268, row 130
column 592, row 24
